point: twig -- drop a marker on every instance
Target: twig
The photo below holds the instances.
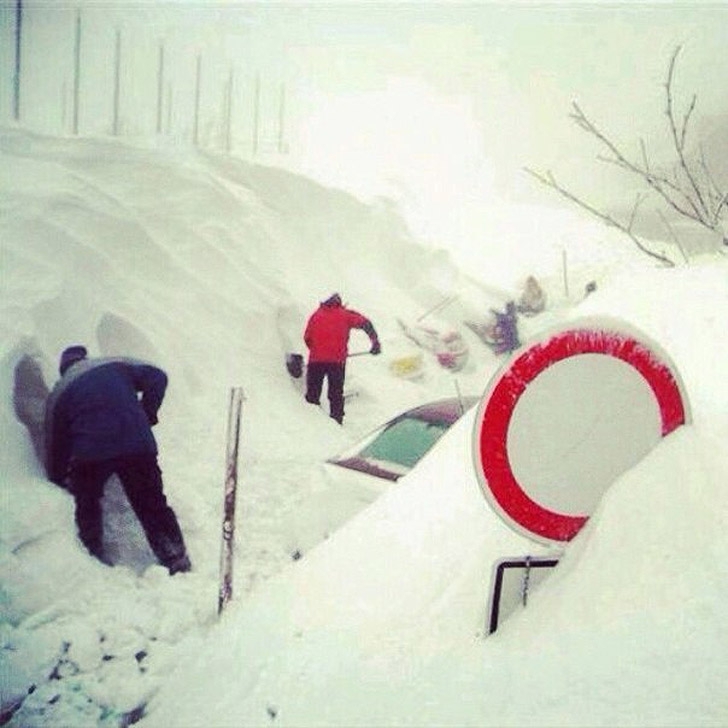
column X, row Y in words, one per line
column 679, row 136
column 550, row 181
column 674, row 235
column 689, row 188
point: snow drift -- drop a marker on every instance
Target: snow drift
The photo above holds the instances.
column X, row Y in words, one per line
column 189, row 259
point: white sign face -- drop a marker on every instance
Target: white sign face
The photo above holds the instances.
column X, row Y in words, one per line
column 566, row 430
column 564, row 419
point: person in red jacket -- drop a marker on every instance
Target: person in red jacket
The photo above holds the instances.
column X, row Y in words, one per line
column 327, row 336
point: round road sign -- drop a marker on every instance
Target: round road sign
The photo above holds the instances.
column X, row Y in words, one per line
column 565, row 417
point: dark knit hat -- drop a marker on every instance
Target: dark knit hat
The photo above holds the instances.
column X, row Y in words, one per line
column 70, row 356
column 333, row 300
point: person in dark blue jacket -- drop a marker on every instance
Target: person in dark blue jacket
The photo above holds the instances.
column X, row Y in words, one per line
column 99, row 420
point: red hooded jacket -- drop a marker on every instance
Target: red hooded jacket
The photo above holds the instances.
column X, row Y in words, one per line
column 327, row 331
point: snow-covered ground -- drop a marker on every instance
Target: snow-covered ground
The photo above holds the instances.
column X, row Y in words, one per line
column 209, row 267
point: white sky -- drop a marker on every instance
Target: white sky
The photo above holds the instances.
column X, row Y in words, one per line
column 209, row 267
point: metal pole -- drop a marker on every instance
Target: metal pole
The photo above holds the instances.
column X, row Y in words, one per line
column 117, row 83
column 76, row 72
column 460, row 397
column 281, row 118
column 160, row 87
column 229, row 112
column 196, row 128
column 256, row 115
column 16, row 79
column 445, row 302
column 231, row 483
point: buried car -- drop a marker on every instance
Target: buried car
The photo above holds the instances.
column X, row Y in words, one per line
column 352, row 480
column 394, row 448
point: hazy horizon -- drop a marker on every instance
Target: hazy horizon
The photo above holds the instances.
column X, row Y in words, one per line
column 437, row 106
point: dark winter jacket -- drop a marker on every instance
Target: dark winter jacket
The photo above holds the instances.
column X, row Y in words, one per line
column 327, row 331
column 94, row 413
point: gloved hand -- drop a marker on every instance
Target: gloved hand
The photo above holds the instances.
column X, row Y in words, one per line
column 376, row 348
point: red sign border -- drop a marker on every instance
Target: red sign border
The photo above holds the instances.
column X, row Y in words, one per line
column 493, row 467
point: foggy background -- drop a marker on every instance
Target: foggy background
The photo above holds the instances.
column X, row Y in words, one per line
column 436, row 106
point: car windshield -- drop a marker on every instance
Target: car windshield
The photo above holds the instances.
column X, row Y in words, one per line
column 396, row 447
column 405, row 441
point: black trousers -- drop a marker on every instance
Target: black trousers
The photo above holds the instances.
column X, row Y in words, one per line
column 335, row 373
column 141, row 479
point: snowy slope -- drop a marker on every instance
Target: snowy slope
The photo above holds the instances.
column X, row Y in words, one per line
column 383, row 623
column 209, row 266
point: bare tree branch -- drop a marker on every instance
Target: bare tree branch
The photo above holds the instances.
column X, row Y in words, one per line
column 549, row 180
column 679, row 137
column 674, row 235
column 670, row 191
column 645, row 159
column 719, row 200
column 688, row 188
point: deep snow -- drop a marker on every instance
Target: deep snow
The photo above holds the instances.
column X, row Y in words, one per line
column 208, row 266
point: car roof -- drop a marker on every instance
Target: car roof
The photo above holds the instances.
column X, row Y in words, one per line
column 447, row 410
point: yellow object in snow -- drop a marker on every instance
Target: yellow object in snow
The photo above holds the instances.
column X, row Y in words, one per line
column 406, row 366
